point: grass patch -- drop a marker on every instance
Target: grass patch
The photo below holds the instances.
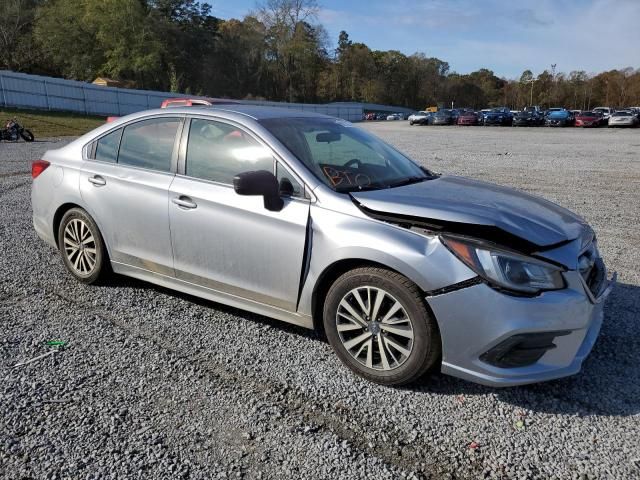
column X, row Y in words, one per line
column 51, row 124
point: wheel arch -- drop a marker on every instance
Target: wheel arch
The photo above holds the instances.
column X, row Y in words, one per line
column 330, row 274
column 59, row 214
column 57, row 218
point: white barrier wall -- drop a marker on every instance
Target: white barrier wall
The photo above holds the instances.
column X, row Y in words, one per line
column 47, row 93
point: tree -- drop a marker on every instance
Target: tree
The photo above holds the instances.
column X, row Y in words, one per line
column 280, row 53
column 291, row 35
column 17, row 51
column 187, row 33
column 99, row 37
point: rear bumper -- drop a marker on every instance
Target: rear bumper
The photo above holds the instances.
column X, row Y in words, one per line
column 477, row 319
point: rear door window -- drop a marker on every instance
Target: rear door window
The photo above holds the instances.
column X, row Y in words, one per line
column 149, row 144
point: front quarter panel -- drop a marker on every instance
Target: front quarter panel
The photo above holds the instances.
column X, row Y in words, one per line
column 338, row 236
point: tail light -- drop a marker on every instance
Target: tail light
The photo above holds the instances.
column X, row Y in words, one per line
column 38, row 167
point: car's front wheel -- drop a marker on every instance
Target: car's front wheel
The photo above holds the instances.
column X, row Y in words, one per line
column 379, row 326
column 82, row 248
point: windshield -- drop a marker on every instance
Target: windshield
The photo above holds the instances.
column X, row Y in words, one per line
column 342, row 156
column 621, row 114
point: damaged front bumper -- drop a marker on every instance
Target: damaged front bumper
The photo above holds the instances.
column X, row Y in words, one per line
column 497, row 339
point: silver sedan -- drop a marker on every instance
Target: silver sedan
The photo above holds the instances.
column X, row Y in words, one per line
column 623, row 119
column 310, row 220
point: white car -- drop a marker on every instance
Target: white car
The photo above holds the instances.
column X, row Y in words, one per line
column 394, row 116
column 606, row 111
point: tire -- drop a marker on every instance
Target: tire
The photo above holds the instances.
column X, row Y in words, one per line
column 90, row 263
column 27, row 135
column 411, row 123
column 411, row 327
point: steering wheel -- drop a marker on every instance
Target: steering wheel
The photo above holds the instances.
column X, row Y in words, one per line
column 355, row 161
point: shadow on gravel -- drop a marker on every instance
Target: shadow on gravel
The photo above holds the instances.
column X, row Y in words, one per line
column 608, row 385
column 130, row 282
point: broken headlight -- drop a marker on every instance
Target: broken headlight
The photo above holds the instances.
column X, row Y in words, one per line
column 505, row 269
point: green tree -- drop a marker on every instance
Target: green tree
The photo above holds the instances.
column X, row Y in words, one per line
column 17, row 49
column 99, row 37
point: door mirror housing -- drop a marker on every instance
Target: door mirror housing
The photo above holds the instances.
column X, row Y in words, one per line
column 260, row 182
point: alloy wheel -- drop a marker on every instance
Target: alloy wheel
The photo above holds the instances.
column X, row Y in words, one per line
column 375, row 328
column 80, row 247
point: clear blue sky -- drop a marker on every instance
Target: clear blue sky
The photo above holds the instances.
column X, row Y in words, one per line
column 506, row 36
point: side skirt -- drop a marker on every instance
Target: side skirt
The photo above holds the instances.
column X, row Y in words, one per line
column 214, row 295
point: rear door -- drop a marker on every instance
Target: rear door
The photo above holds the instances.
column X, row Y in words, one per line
column 228, row 242
column 125, row 186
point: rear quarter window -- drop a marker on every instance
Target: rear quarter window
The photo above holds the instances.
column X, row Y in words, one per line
column 107, row 147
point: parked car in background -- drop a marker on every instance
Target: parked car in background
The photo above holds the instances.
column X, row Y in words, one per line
column 551, row 110
column 305, row 219
column 481, row 115
column 623, row 119
column 185, row 102
column 381, row 116
column 419, row 118
column 441, row 117
column 467, row 118
column 370, row 116
column 394, row 116
column 498, row 116
column 534, row 108
column 559, row 118
column 590, row 119
column 636, row 111
column 529, row 118
column 606, row 112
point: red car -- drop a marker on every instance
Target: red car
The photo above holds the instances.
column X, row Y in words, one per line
column 590, row 119
column 184, row 102
column 467, row 118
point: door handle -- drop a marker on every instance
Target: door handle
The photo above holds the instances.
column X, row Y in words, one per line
column 184, row 202
column 97, row 180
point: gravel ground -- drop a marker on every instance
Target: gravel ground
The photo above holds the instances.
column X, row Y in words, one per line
column 156, row 384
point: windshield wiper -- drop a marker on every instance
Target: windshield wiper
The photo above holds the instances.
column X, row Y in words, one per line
column 408, row 181
column 355, row 188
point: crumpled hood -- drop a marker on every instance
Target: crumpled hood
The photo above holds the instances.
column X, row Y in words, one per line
column 458, row 200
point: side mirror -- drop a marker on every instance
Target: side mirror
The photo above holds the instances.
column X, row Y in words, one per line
column 260, row 182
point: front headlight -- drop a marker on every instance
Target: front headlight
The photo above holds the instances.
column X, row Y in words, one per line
column 504, row 269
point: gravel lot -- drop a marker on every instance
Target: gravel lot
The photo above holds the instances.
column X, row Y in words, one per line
column 156, row 384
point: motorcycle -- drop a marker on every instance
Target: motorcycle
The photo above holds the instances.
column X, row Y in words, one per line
column 13, row 131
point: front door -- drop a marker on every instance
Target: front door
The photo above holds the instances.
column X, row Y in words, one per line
column 228, row 242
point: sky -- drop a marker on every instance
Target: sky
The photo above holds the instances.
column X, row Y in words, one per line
column 506, row 36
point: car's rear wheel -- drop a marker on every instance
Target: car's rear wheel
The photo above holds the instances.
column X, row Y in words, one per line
column 379, row 326
column 82, row 247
